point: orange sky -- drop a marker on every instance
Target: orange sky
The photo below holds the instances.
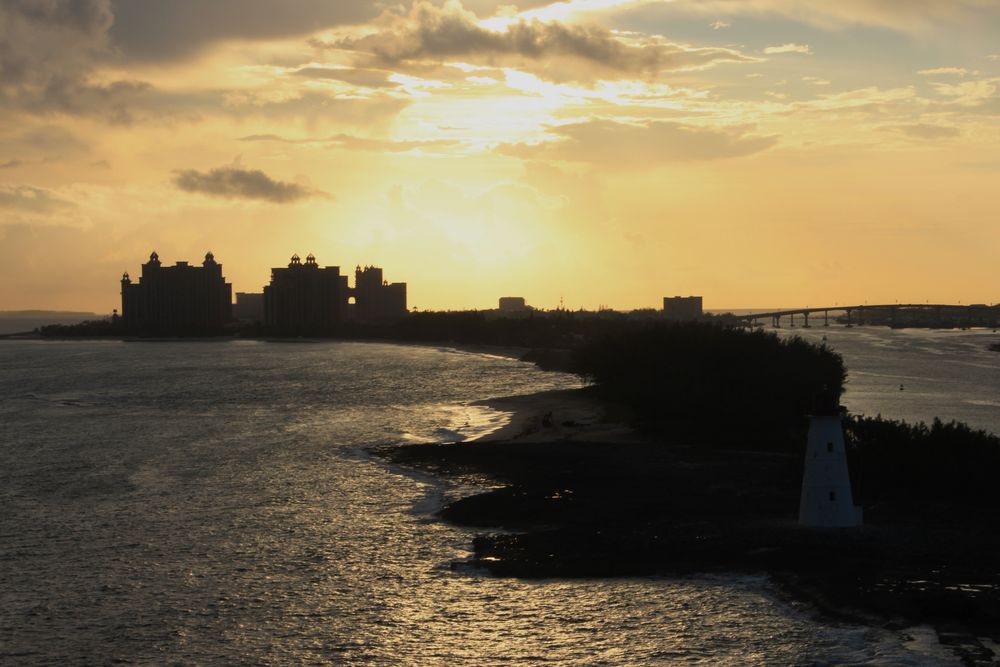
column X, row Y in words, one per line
column 606, row 152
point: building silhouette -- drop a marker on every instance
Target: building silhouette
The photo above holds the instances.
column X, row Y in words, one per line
column 682, row 308
column 179, row 300
column 249, row 306
column 305, row 299
column 512, row 304
column 511, row 307
column 375, row 299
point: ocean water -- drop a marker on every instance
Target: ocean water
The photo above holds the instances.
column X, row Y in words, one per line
column 212, row 503
column 917, row 374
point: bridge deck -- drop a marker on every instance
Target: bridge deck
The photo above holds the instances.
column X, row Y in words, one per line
column 839, row 309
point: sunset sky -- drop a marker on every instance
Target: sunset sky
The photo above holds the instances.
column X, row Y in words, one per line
column 606, row 152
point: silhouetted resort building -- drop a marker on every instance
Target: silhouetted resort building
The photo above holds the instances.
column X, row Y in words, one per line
column 249, row 307
column 304, row 298
column 179, row 300
column 375, row 299
column 511, row 307
column 682, row 308
column 512, row 304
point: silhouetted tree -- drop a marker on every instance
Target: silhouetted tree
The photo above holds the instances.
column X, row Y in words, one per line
column 713, row 383
column 941, row 463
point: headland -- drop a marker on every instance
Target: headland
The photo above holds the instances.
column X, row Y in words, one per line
column 601, row 482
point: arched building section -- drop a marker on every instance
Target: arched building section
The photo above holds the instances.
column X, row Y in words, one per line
column 306, row 299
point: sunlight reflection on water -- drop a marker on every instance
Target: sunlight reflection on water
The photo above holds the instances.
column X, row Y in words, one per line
column 210, row 503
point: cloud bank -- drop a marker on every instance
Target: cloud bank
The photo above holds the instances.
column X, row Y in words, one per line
column 898, row 15
column 158, row 30
column 47, row 48
column 237, row 183
column 429, row 32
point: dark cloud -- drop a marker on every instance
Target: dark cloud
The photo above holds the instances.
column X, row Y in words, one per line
column 48, row 50
column 85, row 15
column 11, row 164
column 627, row 145
column 116, row 103
column 31, row 199
column 46, row 39
column 436, row 33
column 238, row 183
column 44, row 36
column 156, row 30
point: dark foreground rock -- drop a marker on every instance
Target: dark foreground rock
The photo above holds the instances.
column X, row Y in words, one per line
column 585, row 509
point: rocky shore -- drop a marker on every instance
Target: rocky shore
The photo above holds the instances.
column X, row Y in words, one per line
column 580, row 495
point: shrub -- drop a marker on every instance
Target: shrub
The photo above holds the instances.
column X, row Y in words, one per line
column 713, row 383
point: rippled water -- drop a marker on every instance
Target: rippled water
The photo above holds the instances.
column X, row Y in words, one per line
column 210, row 503
column 949, row 374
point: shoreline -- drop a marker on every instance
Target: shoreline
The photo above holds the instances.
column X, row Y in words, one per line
column 587, row 496
column 556, row 414
column 510, row 352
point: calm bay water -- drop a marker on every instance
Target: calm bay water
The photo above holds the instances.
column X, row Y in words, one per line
column 196, row 503
column 949, row 374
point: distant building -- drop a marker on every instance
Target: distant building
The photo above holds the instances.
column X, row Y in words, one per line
column 305, row 299
column 682, row 308
column 249, row 306
column 375, row 299
column 179, row 300
column 512, row 304
column 510, row 307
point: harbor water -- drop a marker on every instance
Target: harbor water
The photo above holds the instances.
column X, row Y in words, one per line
column 214, row 503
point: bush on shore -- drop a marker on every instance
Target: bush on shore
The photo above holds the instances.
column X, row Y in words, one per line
column 712, row 383
column 85, row 329
column 941, row 463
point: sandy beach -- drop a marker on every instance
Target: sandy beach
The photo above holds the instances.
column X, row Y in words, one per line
column 569, row 414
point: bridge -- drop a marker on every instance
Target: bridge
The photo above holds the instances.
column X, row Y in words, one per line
column 978, row 314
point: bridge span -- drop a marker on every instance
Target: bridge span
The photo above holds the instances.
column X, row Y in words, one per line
column 892, row 313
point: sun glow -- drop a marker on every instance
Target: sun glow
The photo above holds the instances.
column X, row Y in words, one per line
column 568, row 10
column 605, row 151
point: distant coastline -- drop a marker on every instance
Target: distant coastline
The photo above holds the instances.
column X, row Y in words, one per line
column 27, row 321
column 535, row 329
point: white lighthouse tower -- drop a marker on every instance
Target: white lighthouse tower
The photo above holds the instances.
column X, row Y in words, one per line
column 826, row 485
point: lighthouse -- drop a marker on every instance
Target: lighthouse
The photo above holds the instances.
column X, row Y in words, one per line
column 826, row 484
